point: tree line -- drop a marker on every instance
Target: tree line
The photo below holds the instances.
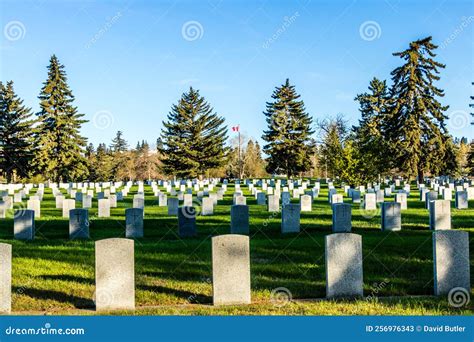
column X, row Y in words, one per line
column 402, row 131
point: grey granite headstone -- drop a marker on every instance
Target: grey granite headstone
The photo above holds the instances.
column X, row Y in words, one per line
column 285, row 198
column 440, row 214
column 115, row 274
column 344, row 274
column 239, row 219
column 430, row 196
column 451, row 261
column 341, row 218
column 134, row 223
column 187, row 221
column 461, row 200
column 173, row 204
column 5, row 278
column 290, row 218
column 261, row 198
column 24, row 224
column 230, row 269
column 355, row 194
column 391, row 216
column 79, row 224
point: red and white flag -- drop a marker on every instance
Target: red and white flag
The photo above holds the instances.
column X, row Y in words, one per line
column 235, row 128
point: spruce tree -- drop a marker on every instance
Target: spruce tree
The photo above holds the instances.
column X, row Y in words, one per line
column 369, row 138
column 15, row 134
column 415, row 124
column 119, row 144
column 288, row 137
column 193, row 137
column 59, row 151
column 470, row 160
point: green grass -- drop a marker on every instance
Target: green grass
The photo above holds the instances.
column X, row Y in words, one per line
column 55, row 275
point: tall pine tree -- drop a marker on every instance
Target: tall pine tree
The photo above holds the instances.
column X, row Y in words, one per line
column 369, row 137
column 288, row 137
column 59, row 151
column 416, row 119
column 15, row 134
column 193, row 137
column 119, row 144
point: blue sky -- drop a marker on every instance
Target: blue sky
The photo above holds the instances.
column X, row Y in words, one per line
column 128, row 61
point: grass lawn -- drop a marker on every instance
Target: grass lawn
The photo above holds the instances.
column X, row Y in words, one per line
column 173, row 276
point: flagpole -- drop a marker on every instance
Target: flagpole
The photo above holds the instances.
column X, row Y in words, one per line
column 240, row 160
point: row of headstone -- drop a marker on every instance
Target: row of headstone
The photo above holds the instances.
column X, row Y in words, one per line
column 115, row 268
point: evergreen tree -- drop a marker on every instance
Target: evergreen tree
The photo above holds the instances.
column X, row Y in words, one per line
column 288, row 137
column 119, row 144
column 472, row 106
column 415, row 124
column 101, row 166
column 15, row 134
column 193, row 137
column 59, row 151
column 369, row 136
column 470, row 160
column 331, row 150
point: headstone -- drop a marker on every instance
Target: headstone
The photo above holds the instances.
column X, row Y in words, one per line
column 68, row 204
column 341, row 218
column 240, row 200
column 355, row 194
column 139, row 202
column 207, row 206
column 461, row 200
column 24, row 224
column 162, row 200
column 451, row 261
column 261, row 198
column 114, row 274
column 391, row 216
column 401, row 198
column 87, row 202
column 370, row 201
column 430, row 196
column 290, row 218
column 306, row 201
column 5, row 278
column 285, row 198
column 187, row 200
column 113, row 201
column 59, row 201
column 104, row 208
column 230, row 269
column 344, row 275
column 79, row 224
column 34, row 205
column 173, row 204
column 380, row 198
column 187, row 221
column 273, row 204
column 239, row 219
column 440, row 215
column 134, row 223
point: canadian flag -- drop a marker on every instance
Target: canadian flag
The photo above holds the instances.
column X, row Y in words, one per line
column 235, row 128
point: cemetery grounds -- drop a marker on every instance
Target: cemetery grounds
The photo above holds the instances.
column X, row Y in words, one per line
column 55, row 275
